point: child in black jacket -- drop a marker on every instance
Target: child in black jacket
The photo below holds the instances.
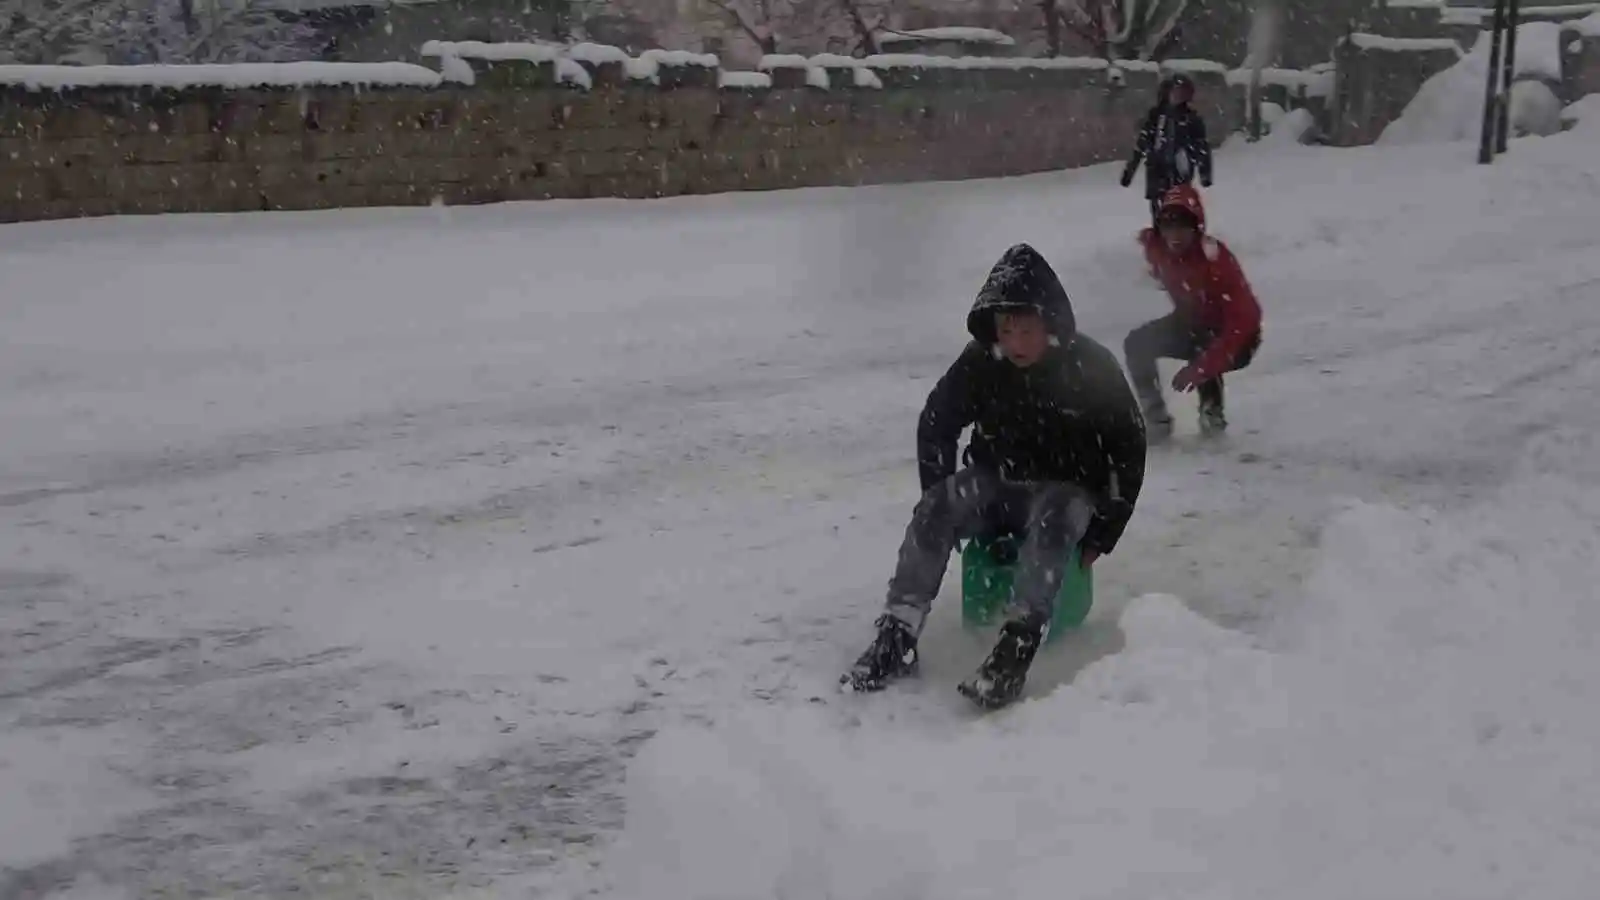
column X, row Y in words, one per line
column 1172, row 144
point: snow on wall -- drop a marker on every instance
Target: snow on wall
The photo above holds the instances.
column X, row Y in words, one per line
column 1315, row 84
column 460, row 62
column 238, row 76
column 526, row 121
column 1480, row 15
column 1402, row 45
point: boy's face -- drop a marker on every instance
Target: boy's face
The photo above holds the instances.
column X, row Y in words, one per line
column 1178, row 233
column 1023, row 337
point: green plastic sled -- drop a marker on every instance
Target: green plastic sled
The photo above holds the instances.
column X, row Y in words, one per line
column 986, row 590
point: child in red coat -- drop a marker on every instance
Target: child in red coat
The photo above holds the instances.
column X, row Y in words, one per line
column 1215, row 325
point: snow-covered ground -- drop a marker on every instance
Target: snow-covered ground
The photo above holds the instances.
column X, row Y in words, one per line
column 517, row 549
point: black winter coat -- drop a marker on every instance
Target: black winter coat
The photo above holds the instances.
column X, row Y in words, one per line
column 1071, row 417
column 1167, row 132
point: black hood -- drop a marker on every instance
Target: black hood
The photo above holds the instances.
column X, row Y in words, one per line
column 1020, row 280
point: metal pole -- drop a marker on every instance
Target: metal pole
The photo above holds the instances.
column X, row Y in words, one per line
column 1503, row 125
column 1486, row 140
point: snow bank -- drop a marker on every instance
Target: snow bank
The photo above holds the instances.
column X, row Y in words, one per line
column 1449, row 105
column 1406, row 732
column 237, row 75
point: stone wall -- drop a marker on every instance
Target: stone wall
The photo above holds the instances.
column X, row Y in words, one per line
column 499, row 124
column 1376, row 77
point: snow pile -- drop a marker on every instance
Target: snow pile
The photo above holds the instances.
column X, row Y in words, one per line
column 455, row 70
column 1449, row 105
column 569, row 71
column 1538, row 50
column 1296, row 126
column 1406, row 731
column 231, row 75
column 597, row 54
column 1535, row 109
column 746, row 80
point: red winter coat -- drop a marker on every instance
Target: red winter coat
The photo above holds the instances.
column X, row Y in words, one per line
column 1207, row 287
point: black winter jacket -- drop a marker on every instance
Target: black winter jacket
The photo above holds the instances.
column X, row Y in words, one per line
column 1167, row 132
column 1070, row 417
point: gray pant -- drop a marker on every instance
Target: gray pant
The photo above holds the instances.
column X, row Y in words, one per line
column 1051, row 518
column 1170, row 338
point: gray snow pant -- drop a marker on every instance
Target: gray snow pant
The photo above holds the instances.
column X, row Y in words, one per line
column 1050, row 517
column 1170, row 338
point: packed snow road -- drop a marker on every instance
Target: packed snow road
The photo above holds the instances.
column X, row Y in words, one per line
column 362, row 553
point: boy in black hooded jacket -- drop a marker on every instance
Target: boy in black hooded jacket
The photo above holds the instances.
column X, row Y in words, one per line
column 1057, row 457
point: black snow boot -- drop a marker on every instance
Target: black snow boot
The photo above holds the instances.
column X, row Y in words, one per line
column 1002, row 676
column 893, row 655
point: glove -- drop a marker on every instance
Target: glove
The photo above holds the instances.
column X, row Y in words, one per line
column 1127, row 177
column 1188, row 378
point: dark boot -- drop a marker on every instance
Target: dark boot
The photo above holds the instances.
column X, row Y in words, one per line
column 1001, row 678
column 893, row 655
column 1212, row 420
